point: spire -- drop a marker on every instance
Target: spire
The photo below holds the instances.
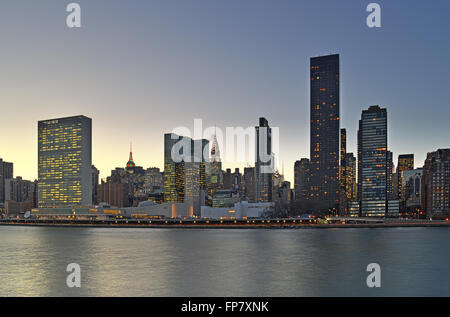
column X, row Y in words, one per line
column 131, row 152
column 215, row 153
column 130, row 163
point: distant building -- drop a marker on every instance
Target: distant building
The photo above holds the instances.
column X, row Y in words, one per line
column 350, row 175
column 240, row 210
column 153, row 179
column 15, row 209
column 225, row 198
column 302, row 179
column 95, row 180
column 411, row 189
column 250, row 184
column 342, row 174
column 389, row 176
column 373, row 158
column 19, row 190
column 114, row 193
column 405, row 163
column 264, row 164
column 228, row 179
column 281, row 196
column 216, row 165
column 436, row 183
column 186, row 176
column 145, row 210
column 65, row 162
column 324, row 133
column 6, row 172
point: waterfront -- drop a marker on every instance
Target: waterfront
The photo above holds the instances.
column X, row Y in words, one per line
column 204, row 262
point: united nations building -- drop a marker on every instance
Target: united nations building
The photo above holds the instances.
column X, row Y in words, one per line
column 64, row 162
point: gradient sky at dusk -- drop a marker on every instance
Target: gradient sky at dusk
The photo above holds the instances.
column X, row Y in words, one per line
column 140, row 68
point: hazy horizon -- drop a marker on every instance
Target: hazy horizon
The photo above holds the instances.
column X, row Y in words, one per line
column 140, row 69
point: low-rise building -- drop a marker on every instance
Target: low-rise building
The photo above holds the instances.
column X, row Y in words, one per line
column 240, row 210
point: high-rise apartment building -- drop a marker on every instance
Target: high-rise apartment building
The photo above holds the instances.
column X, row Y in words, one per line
column 389, row 175
column 95, row 182
column 19, row 190
column 65, row 162
column 436, row 183
column 186, row 170
column 405, row 163
column 324, row 134
column 302, row 170
column 6, row 172
column 264, row 163
column 350, row 177
column 250, row 184
column 373, row 162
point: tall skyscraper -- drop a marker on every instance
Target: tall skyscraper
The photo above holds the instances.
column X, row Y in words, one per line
column 302, row 170
column 65, row 162
column 436, row 183
column 324, row 134
column 412, row 187
column 264, row 163
column 373, row 161
column 6, row 172
column 405, row 163
column 216, row 165
column 350, row 176
column 250, row 184
column 389, row 175
column 342, row 170
column 95, row 180
column 171, row 193
column 186, row 177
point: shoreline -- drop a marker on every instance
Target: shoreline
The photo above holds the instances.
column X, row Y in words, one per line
column 262, row 225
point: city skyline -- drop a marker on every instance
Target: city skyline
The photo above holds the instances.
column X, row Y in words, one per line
column 223, row 83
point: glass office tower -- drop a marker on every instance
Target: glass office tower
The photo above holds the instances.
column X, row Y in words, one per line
column 324, row 134
column 65, row 162
column 373, row 161
column 264, row 163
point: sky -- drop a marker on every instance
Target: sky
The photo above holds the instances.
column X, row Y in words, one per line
column 140, row 68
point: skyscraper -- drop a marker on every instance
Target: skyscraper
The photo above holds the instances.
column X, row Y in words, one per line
column 436, row 183
column 324, row 134
column 373, row 161
column 302, row 170
column 350, row 176
column 65, row 162
column 6, row 172
column 216, row 165
column 264, row 163
column 171, row 193
column 95, row 180
column 342, row 170
column 185, row 177
column 249, row 184
column 405, row 163
column 389, row 175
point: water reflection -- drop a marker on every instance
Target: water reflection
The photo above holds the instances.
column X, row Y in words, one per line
column 164, row 262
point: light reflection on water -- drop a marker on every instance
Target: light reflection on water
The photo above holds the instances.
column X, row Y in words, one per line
column 229, row 262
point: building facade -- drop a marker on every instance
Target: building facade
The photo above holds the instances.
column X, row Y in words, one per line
column 436, row 183
column 6, row 172
column 186, row 170
column 373, row 158
column 264, row 162
column 405, row 163
column 65, row 162
column 302, row 170
column 249, row 184
column 324, row 134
